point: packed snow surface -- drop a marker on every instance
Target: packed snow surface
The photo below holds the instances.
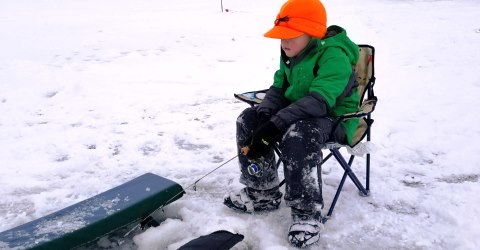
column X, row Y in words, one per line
column 96, row 93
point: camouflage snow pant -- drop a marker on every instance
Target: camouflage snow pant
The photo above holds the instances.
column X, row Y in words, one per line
column 301, row 147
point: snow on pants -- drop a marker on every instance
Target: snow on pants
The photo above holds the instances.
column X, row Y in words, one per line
column 301, row 147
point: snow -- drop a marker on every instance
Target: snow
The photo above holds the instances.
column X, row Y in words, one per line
column 96, row 93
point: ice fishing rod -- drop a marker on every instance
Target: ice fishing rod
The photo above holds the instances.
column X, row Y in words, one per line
column 149, row 219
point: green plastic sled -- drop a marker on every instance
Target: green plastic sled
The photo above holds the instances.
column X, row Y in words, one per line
column 91, row 219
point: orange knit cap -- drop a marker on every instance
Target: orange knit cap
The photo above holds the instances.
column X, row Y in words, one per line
column 297, row 17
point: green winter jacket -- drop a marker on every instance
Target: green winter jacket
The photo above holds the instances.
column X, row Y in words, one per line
column 318, row 82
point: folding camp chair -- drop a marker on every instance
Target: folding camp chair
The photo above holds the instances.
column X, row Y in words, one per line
column 365, row 73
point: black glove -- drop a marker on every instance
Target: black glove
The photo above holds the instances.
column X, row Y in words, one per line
column 263, row 117
column 262, row 138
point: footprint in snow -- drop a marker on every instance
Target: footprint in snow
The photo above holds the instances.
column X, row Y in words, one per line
column 402, row 207
column 456, row 179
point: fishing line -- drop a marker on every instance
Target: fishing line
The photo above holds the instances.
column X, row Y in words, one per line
column 193, row 186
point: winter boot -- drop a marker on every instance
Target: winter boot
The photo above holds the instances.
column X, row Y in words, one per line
column 249, row 200
column 305, row 229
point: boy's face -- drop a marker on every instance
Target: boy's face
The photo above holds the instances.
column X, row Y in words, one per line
column 293, row 46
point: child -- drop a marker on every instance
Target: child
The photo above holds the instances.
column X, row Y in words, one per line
column 313, row 85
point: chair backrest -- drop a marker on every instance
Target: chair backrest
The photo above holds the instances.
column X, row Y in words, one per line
column 365, row 71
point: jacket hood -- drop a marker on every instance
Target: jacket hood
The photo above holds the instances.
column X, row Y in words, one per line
column 336, row 36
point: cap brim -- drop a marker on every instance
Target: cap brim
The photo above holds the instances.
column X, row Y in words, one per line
column 281, row 32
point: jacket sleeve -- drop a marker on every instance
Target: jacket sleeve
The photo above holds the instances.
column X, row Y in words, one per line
column 311, row 105
column 273, row 102
column 333, row 75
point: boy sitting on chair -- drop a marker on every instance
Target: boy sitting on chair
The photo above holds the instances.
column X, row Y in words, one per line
column 313, row 85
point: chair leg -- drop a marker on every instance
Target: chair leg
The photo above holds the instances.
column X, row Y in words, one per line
column 337, row 194
column 336, row 153
column 367, row 177
column 348, row 172
column 326, row 158
column 369, row 137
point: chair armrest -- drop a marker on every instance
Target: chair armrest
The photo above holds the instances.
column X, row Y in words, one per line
column 252, row 97
column 367, row 107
